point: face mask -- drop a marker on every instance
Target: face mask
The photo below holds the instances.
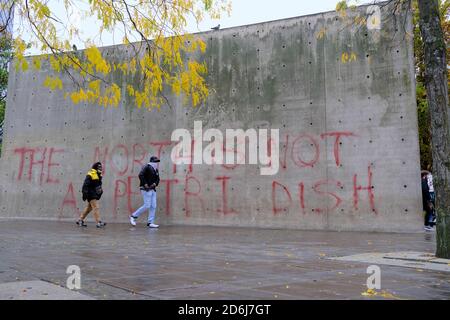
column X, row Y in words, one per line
column 154, row 165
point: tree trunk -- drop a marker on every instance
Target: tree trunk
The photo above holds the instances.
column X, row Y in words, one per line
column 437, row 95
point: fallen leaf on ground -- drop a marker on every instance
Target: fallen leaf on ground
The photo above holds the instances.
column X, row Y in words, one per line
column 369, row 293
column 388, row 295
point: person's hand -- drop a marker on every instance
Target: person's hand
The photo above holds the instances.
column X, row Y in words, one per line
column 146, row 186
column 430, row 205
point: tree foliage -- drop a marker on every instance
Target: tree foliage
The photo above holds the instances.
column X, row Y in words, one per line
column 5, row 58
column 161, row 56
column 423, row 112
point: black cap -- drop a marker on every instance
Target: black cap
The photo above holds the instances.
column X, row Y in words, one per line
column 154, row 159
column 96, row 165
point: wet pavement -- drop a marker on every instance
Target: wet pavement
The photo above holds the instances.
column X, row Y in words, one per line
column 185, row 262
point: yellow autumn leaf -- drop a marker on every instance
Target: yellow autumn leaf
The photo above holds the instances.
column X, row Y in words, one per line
column 321, row 33
column 369, row 293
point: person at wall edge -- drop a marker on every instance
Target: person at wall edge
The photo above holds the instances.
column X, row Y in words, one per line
column 427, row 203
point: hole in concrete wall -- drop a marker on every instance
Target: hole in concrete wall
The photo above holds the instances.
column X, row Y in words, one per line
column 405, row 186
column 367, row 55
column 401, row 117
column 406, row 210
column 370, row 119
column 368, row 76
column 370, row 141
column 368, row 98
column 403, row 139
column 399, row 94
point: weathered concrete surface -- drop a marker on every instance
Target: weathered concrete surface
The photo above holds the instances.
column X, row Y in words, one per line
column 312, row 77
column 418, row 260
column 37, row 290
column 198, row 262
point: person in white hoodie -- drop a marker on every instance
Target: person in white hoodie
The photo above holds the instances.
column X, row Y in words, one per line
column 149, row 180
column 432, row 194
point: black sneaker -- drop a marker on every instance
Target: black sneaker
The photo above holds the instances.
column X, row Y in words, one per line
column 101, row 224
column 81, row 223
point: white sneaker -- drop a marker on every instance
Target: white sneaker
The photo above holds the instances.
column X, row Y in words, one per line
column 152, row 225
column 429, row 228
column 132, row 221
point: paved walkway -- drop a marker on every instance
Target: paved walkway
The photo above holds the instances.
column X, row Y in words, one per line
column 181, row 262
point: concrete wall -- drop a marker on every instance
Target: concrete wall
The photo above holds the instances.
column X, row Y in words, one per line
column 287, row 75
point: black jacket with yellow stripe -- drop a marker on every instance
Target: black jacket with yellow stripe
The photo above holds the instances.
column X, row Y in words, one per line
column 92, row 186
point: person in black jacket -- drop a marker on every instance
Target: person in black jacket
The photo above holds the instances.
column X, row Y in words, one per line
column 92, row 192
column 427, row 203
column 149, row 180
